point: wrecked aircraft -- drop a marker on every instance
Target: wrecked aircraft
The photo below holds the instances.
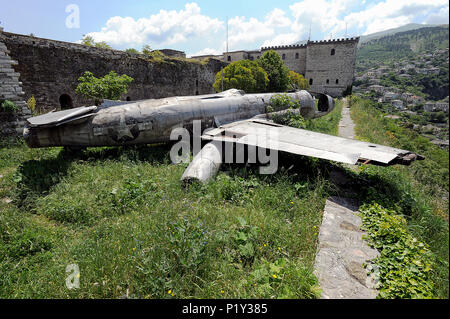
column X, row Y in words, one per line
column 231, row 117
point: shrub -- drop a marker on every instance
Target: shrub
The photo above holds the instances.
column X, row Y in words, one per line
column 9, row 106
column 244, row 75
column 111, row 86
column 404, row 264
column 298, row 80
column 147, row 50
column 133, row 51
column 103, row 45
column 32, row 105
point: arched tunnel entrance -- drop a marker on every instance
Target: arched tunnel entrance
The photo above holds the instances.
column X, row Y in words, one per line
column 65, row 101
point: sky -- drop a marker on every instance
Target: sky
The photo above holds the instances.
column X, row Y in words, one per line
column 200, row 27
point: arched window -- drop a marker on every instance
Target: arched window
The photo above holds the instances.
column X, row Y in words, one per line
column 65, row 101
column 328, row 81
column 296, row 55
column 310, row 81
column 284, row 56
column 333, row 51
column 337, row 81
column 229, row 58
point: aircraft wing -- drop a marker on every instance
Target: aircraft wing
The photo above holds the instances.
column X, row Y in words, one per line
column 269, row 135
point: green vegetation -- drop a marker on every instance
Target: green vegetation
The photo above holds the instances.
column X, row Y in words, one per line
column 132, row 50
column 103, row 45
column 111, row 86
column 147, row 50
column 410, row 54
column 328, row 124
column 418, row 193
column 268, row 74
column 276, row 70
column 32, row 106
column 122, row 215
column 9, row 106
column 433, row 86
column 404, row 265
column 298, row 80
column 403, row 45
column 244, row 75
column 88, row 41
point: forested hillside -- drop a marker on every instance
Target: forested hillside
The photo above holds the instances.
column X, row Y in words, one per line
column 414, row 61
column 404, row 44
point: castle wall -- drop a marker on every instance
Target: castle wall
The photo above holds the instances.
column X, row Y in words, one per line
column 294, row 56
column 235, row 56
column 314, row 61
column 11, row 123
column 50, row 69
column 331, row 73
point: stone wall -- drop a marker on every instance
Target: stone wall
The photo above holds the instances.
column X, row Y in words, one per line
column 330, row 65
column 50, row 69
column 11, row 123
column 294, row 56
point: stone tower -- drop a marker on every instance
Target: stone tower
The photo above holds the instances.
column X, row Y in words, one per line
column 11, row 89
column 330, row 65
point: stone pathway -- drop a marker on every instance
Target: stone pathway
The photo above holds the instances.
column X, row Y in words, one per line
column 341, row 250
column 346, row 125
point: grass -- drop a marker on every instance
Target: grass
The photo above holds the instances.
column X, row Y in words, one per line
column 122, row 215
column 419, row 193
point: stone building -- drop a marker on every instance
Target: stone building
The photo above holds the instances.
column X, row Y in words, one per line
column 327, row 65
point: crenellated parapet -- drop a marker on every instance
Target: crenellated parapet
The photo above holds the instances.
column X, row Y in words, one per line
column 335, row 41
column 278, row 47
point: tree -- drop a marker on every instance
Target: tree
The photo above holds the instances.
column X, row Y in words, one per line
column 147, row 50
column 132, row 50
column 277, row 72
column 103, row 45
column 244, row 75
column 111, row 86
column 88, row 40
column 298, row 80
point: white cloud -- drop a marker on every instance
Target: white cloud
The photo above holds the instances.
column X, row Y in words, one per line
column 335, row 16
column 164, row 28
column 243, row 31
column 391, row 14
column 321, row 15
column 438, row 18
column 282, row 39
column 277, row 18
column 188, row 26
column 206, row 51
column 248, row 33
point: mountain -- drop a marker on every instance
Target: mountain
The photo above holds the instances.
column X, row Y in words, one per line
column 414, row 61
column 407, row 27
column 404, row 44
